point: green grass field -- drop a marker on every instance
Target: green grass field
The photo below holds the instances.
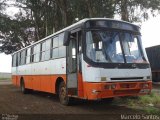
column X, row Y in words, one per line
column 5, row 78
column 147, row 103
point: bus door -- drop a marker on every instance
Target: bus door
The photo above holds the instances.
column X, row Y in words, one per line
column 71, row 69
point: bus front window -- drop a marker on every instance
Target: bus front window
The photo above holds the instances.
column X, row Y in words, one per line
column 105, row 47
column 132, row 48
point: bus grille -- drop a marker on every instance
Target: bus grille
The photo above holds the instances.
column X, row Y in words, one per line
column 128, row 78
column 128, row 85
column 120, row 92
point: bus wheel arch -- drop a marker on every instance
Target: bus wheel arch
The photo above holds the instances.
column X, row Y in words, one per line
column 24, row 90
column 62, row 93
column 58, row 82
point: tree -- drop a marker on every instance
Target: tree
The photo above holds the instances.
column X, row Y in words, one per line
column 40, row 18
column 136, row 10
column 14, row 34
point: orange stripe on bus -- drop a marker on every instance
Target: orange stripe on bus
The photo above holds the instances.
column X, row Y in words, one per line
column 44, row 83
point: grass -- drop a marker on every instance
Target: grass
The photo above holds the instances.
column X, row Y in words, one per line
column 5, row 78
column 153, row 98
column 148, row 103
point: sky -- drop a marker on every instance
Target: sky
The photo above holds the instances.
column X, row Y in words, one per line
column 150, row 31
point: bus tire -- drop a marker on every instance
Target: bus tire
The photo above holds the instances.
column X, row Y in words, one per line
column 23, row 89
column 63, row 97
column 108, row 100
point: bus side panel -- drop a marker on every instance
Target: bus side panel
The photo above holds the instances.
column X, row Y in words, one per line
column 14, row 76
column 45, row 83
column 14, row 80
column 36, row 82
column 28, row 81
column 18, row 80
column 53, row 83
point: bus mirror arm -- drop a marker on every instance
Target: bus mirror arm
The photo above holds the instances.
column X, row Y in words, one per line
column 66, row 38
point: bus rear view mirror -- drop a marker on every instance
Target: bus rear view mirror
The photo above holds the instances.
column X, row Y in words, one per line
column 66, row 38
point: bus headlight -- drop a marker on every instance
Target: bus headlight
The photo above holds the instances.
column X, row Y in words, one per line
column 103, row 78
column 110, row 87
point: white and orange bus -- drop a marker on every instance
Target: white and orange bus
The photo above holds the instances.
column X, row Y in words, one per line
column 92, row 59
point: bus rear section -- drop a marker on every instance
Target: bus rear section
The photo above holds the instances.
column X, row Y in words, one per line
column 104, row 59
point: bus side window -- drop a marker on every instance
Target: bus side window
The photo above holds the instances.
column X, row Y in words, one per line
column 37, row 53
column 61, row 37
column 62, row 49
column 48, row 49
column 14, row 60
column 23, row 57
column 32, row 54
column 28, row 56
column 42, row 53
column 54, row 48
column 19, row 58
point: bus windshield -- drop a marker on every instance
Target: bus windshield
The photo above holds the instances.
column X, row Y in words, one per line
column 114, row 47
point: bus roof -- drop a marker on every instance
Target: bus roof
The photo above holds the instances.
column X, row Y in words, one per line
column 71, row 26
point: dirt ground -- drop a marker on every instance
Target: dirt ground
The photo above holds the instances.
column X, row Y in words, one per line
column 12, row 101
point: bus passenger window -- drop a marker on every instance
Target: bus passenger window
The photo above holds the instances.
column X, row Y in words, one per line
column 61, row 37
column 32, row 54
column 55, row 42
column 48, row 47
column 55, row 53
column 14, row 60
column 54, row 49
column 28, row 56
column 37, row 56
column 43, row 48
column 62, row 51
column 19, row 58
column 23, row 57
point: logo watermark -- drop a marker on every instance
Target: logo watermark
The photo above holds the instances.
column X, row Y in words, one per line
column 9, row 117
column 139, row 117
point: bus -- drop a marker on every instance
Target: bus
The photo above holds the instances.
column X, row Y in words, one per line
column 93, row 59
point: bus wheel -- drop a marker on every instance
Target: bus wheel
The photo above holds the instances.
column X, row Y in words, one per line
column 23, row 89
column 64, row 99
column 108, row 100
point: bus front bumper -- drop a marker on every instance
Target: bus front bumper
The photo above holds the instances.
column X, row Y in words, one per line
column 95, row 91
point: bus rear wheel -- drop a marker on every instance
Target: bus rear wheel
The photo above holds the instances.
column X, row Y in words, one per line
column 63, row 97
column 23, row 89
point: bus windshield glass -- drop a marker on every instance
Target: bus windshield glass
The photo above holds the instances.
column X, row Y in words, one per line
column 114, row 47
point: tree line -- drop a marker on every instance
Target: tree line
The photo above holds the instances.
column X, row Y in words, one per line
column 37, row 19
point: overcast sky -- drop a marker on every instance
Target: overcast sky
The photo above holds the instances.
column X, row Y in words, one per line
column 150, row 37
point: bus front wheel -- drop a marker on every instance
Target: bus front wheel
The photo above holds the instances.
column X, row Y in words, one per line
column 63, row 97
